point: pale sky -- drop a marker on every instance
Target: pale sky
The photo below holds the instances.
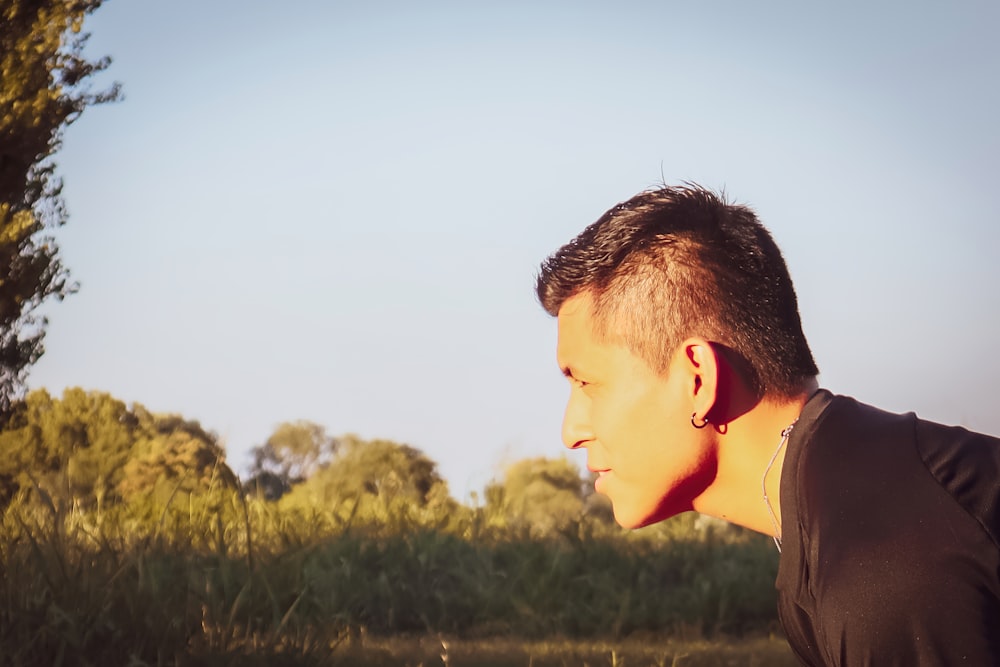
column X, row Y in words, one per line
column 334, row 211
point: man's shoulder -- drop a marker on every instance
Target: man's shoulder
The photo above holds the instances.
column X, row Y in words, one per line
column 905, row 455
column 898, row 525
column 967, row 465
column 847, row 424
column 849, row 447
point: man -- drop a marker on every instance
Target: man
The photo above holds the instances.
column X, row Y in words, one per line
column 693, row 388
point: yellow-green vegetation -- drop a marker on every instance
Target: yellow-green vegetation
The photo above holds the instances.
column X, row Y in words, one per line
column 126, row 539
column 498, row 652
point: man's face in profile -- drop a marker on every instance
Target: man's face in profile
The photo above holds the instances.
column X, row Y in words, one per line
column 633, row 422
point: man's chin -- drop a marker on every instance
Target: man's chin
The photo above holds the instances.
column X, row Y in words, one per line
column 628, row 520
column 632, row 519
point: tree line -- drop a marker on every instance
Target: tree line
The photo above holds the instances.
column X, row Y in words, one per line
column 125, row 536
column 88, row 450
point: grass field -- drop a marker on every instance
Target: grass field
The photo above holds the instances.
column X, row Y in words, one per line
column 220, row 581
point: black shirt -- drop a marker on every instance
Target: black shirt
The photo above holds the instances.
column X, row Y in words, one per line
column 891, row 528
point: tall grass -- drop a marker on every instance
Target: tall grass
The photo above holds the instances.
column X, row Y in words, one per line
column 222, row 580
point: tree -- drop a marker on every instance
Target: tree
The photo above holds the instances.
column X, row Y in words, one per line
column 72, row 449
column 173, row 454
column 542, row 495
column 381, row 477
column 89, row 449
column 293, row 453
column 44, row 87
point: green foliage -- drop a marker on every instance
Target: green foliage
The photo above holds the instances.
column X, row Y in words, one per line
column 124, row 590
column 72, row 449
column 124, row 538
column 223, row 578
column 43, row 88
column 539, row 496
column 173, row 453
column 91, row 450
column 293, row 453
column 376, row 481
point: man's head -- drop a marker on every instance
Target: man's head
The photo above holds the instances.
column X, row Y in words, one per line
column 677, row 262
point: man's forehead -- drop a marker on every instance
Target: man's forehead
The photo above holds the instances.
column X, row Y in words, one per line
column 580, row 304
column 575, row 343
column 579, row 330
column 576, row 317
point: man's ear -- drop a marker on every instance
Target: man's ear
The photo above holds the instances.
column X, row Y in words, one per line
column 701, row 365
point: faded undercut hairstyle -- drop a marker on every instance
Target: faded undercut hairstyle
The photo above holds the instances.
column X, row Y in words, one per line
column 681, row 261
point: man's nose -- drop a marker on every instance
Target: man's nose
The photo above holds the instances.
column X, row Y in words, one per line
column 576, row 431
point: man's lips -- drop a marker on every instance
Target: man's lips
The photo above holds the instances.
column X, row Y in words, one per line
column 601, row 473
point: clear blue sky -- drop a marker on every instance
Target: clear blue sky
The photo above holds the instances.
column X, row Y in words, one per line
column 334, row 210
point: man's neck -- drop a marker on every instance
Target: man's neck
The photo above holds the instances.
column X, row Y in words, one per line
column 751, row 454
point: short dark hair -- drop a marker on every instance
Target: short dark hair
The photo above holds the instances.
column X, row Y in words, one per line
column 682, row 261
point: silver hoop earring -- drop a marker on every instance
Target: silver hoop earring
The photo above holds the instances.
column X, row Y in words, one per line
column 703, row 424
